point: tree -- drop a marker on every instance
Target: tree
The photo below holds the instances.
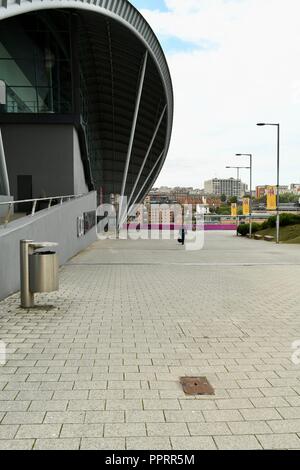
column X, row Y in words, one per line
column 223, row 210
column 223, row 198
column 233, row 200
column 288, row 197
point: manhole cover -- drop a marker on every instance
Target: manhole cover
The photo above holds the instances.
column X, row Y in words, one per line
column 196, row 386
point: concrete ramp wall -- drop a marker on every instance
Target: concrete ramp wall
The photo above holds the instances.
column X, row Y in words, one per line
column 58, row 224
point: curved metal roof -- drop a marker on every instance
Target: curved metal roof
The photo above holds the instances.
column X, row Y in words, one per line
column 129, row 86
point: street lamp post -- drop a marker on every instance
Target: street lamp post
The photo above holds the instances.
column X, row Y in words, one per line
column 238, row 168
column 251, row 200
column 278, row 177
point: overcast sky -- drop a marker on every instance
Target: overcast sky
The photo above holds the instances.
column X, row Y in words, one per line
column 233, row 63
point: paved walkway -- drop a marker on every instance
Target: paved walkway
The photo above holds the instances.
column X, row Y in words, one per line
column 101, row 368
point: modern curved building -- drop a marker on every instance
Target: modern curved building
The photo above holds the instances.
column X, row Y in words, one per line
column 86, row 100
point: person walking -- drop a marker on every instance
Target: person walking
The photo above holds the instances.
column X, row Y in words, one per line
column 182, row 235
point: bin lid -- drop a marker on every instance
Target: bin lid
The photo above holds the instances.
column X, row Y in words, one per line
column 44, row 253
column 37, row 245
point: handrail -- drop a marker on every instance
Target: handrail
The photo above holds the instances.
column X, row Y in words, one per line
column 41, row 199
column 10, row 204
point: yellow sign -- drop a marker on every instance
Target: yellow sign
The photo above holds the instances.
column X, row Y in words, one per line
column 233, row 210
column 271, row 198
column 246, row 206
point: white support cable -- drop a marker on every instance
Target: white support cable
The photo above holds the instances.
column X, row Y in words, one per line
column 3, row 169
column 147, row 154
column 133, row 128
column 143, row 186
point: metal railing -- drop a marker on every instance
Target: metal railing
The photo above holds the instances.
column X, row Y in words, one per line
column 58, row 199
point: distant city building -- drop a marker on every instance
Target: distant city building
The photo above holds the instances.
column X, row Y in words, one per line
column 165, row 195
column 157, row 199
column 229, row 187
column 284, row 189
column 295, row 189
column 261, row 191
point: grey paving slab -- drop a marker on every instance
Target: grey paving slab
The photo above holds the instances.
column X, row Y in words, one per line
column 57, row 444
column 119, row 404
column 193, row 443
column 285, row 426
column 148, row 443
column 14, row 405
column 279, row 441
column 167, row 429
column 237, row 443
column 103, row 444
column 293, row 412
column 199, row 405
column 16, row 444
column 48, row 405
column 260, row 414
column 161, row 404
column 8, row 431
column 82, row 430
column 82, row 405
column 49, row 431
column 184, row 416
column 73, row 417
column 101, row 368
column 233, row 404
column 270, row 402
column 152, row 416
column 222, row 416
column 124, row 430
column 105, row 417
column 28, row 417
column 250, row 428
column 208, row 429
column 35, row 395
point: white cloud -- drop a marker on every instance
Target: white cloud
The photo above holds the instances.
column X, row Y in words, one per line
column 252, row 74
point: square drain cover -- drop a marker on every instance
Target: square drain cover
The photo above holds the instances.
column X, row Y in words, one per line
column 196, row 386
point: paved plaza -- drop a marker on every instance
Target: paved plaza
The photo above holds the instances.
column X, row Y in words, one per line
column 99, row 367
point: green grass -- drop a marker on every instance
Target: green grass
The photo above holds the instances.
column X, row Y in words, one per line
column 290, row 234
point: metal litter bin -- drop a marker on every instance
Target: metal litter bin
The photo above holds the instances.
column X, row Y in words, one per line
column 43, row 272
column 38, row 270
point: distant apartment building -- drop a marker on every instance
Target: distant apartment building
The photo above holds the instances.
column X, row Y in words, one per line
column 140, row 216
column 261, row 191
column 284, row 189
column 229, row 187
column 165, row 195
column 160, row 214
column 158, row 199
column 295, row 189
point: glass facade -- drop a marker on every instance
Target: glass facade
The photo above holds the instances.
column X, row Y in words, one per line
column 70, row 66
column 40, row 70
column 35, row 64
